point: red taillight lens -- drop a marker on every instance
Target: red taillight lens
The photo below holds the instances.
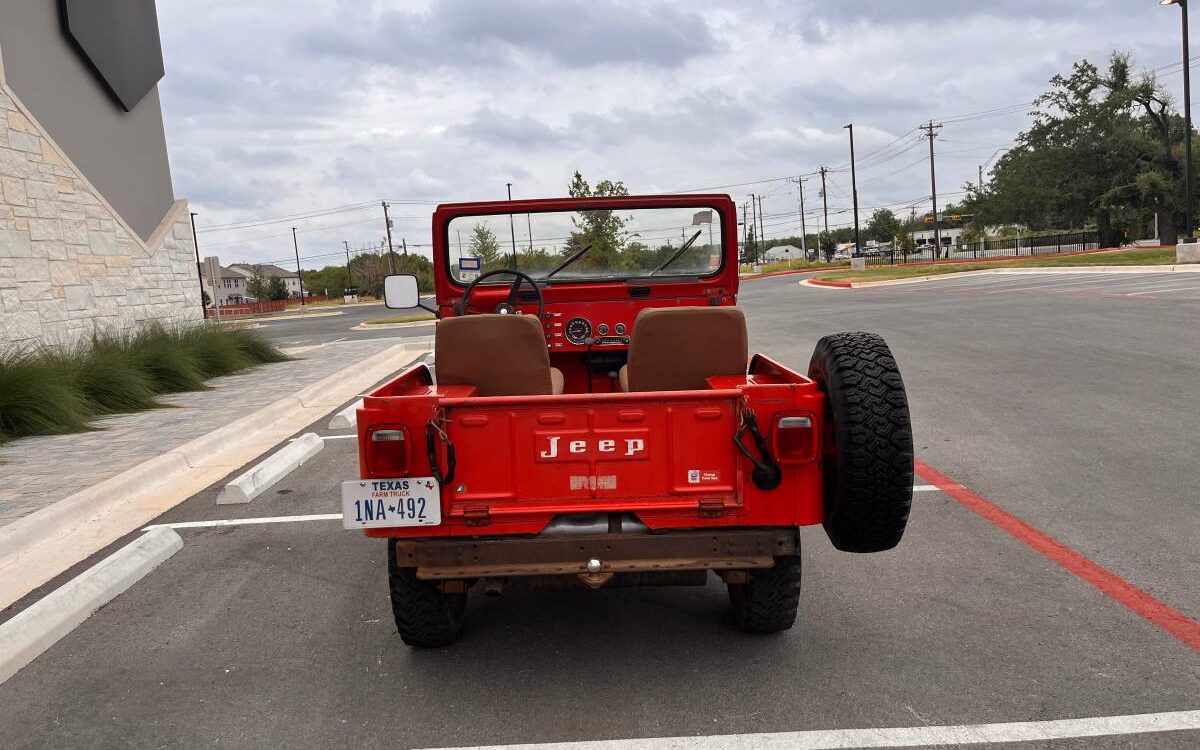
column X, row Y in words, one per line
column 389, row 452
column 795, row 438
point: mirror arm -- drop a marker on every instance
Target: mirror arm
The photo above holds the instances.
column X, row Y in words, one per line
column 421, row 304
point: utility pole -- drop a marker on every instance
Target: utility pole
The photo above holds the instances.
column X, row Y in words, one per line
column 931, row 132
column 299, row 271
column 762, row 227
column 754, row 228
column 404, row 244
column 200, row 273
column 529, row 228
column 511, row 230
column 824, row 206
column 854, row 191
column 803, row 225
column 745, row 229
column 349, row 278
column 387, row 221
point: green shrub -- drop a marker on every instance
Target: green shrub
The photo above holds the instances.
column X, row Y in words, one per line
column 216, row 351
column 39, row 397
column 51, row 391
column 257, row 349
column 162, row 354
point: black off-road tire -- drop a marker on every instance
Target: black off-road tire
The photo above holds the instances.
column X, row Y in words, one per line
column 768, row 602
column 426, row 616
column 868, row 463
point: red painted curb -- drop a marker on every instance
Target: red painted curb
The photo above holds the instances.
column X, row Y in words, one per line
column 835, row 284
column 779, row 273
column 1110, row 584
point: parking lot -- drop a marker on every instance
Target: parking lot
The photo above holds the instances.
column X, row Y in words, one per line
column 1067, row 401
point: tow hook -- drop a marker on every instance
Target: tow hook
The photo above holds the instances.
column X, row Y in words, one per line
column 766, row 475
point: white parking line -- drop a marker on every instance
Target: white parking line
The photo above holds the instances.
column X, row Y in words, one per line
column 969, row 734
column 245, row 521
column 1059, row 285
column 924, row 488
column 1160, row 290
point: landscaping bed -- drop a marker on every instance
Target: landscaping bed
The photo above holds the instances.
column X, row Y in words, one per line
column 53, row 390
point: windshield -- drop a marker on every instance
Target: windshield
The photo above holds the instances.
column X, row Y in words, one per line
column 588, row 245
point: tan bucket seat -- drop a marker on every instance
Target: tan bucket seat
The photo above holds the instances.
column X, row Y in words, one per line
column 501, row 355
column 677, row 348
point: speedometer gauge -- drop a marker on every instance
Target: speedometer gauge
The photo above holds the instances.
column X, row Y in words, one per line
column 578, row 331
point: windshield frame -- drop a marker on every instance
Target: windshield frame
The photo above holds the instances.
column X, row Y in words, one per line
column 721, row 205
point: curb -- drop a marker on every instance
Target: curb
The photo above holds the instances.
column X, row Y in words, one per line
column 1040, row 271
column 347, row 418
column 390, row 326
column 262, row 477
column 26, row 636
column 43, row 544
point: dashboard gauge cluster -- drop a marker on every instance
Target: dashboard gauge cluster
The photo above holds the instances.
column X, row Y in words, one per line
column 578, row 331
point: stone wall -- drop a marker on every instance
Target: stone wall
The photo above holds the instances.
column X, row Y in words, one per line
column 69, row 265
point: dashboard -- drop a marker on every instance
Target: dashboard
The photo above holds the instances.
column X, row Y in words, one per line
column 590, row 325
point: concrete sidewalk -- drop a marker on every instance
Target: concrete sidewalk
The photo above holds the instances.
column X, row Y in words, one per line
column 43, row 470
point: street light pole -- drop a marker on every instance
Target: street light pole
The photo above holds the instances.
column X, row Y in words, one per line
column 511, row 230
column 299, row 271
column 387, row 222
column 854, row 191
column 1187, row 119
column 200, row 273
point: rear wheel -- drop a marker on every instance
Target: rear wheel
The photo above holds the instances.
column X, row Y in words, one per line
column 769, row 600
column 426, row 616
column 868, row 449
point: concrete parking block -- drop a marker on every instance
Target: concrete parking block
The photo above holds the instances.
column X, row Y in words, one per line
column 30, row 633
column 346, row 419
column 259, row 479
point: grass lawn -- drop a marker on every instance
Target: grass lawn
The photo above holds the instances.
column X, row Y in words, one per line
column 1152, row 257
column 798, row 265
column 399, row 319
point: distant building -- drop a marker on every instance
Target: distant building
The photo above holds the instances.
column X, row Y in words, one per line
column 781, row 253
column 233, row 285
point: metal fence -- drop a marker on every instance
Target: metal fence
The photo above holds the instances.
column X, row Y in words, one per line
column 1007, row 247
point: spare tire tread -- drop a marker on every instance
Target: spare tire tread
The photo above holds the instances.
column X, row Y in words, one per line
column 868, row 484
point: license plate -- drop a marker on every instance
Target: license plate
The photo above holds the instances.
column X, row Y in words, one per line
column 384, row 503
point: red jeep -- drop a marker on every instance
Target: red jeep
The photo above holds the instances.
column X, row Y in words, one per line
column 596, row 419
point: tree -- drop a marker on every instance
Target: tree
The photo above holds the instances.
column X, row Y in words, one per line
column 602, row 229
column 484, row 245
column 883, row 226
column 1102, row 150
column 205, row 300
column 258, row 286
column 277, row 289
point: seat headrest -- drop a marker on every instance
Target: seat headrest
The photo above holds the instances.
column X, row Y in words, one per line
column 501, row 355
column 678, row 348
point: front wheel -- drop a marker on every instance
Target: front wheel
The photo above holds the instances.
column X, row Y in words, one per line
column 426, row 616
column 769, row 600
column 868, row 447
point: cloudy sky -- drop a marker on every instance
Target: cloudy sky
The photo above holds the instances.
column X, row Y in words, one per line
column 307, row 113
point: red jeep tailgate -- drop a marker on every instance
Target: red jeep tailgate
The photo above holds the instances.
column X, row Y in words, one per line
column 593, row 453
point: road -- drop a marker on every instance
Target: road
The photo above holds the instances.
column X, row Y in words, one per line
column 1072, row 408
column 325, row 325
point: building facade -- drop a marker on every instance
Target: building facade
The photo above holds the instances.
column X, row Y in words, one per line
column 92, row 237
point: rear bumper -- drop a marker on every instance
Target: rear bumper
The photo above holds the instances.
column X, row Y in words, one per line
column 724, row 549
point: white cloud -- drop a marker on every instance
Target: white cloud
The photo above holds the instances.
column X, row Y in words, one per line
column 277, row 108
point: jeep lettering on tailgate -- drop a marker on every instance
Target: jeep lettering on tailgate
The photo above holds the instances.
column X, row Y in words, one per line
column 608, row 445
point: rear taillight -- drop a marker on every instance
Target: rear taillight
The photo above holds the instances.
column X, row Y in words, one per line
column 795, row 438
column 389, row 453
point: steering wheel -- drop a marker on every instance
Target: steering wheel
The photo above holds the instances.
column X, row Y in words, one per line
column 508, row 307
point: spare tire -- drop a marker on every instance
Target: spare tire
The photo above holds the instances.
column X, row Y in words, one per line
column 868, row 445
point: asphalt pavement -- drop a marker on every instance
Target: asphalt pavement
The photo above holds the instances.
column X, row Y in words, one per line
column 1074, row 411
column 325, row 325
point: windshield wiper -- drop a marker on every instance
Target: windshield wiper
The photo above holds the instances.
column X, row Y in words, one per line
column 678, row 253
column 570, row 260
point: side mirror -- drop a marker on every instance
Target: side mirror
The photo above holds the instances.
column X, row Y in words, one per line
column 400, row 292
